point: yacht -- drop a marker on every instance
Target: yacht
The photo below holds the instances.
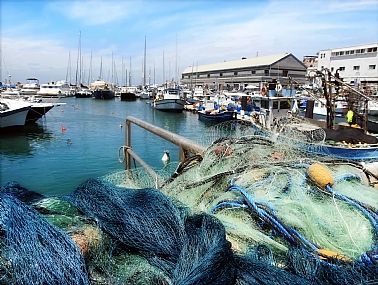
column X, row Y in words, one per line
column 55, row 89
column 31, row 87
column 13, row 114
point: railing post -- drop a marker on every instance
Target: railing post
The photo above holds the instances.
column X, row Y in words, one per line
column 128, row 144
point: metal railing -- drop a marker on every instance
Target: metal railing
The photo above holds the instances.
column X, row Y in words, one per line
column 187, row 146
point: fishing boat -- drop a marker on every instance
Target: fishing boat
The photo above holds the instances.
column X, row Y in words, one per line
column 128, row 93
column 13, row 113
column 170, row 101
column 101, row 90
column 217, row 115
column 278, row 119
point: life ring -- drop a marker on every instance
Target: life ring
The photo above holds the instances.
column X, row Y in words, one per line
column 248, row 99
column 264, row 90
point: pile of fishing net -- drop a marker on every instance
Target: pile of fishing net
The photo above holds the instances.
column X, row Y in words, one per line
column 247, row 211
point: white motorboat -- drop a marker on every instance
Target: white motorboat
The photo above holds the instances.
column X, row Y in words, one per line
column 13, row 113
column 55, row 89
column 31, row 87
column 170, row 101
column 373, row 108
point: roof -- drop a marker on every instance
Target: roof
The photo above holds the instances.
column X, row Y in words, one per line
column 248, row 62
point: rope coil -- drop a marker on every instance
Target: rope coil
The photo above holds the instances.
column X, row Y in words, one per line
column 124, row 148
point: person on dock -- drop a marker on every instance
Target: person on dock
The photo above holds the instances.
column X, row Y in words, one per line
column 349, row 116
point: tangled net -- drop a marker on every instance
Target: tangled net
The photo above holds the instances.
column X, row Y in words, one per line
column 246, row 212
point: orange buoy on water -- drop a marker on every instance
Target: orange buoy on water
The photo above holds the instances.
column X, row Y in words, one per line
column 63, row 128
column 320, row 175
column 62, row 110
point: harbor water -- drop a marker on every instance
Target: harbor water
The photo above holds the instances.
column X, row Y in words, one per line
column 81, row 139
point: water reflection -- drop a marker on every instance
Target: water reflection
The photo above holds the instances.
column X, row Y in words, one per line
column 23, row 142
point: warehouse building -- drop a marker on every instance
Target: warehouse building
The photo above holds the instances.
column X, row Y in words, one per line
column 236, row 75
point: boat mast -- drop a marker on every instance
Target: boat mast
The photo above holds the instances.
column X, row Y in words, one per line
column 90, row 71
column 101, row 68
column 144, row 67
column 78, row 67
column 69, row 67
column 130, row 73
column 176, row 78
column 164, row 81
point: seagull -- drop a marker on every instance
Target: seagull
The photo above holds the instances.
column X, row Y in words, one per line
column 166, row 156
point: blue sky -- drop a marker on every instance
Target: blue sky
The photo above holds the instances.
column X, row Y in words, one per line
column 41, row 39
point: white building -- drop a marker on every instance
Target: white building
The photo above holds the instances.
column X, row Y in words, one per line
column 356, row 64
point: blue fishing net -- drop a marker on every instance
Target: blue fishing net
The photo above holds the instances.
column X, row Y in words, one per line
column 116, row 235
column 34, row 251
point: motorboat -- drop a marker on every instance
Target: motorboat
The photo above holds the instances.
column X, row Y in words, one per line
column 373, row 108
column 31, row 87
column 13, row 113
column 56, row 89
column 84, row 93
column 144, row 95
column 37, row 110
column 170, row 101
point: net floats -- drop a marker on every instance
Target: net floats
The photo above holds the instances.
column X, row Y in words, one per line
column 320, row 175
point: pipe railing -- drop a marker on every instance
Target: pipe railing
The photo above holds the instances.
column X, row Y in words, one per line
column 187, row 146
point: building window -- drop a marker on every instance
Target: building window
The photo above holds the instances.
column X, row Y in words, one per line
column 372, row 49
column 352, row 52
column 253, row 72
column 266, row 72
column 208, row 76
column 332, row 68
column 220, row 74
column 341, row 53
column 372, row 66
column 235, row 73
column 285, row 73
column 342, row 68
column 347, row 52
column 356, row 67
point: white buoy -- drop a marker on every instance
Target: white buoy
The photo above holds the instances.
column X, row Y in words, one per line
column 166, row 156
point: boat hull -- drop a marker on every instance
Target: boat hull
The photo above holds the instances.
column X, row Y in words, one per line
column 218, row 117
column 369, row 153
column 83, row 94
column 144, row 96
column 128, row 96
column 104, row 94
column 363, row 152
column 169, row 105
column 13, row 118
column 37, row 111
